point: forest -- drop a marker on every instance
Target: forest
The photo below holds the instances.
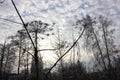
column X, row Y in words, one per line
column 89, row 52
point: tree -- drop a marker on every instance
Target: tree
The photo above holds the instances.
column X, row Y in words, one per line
column 99, row 39
column 36, row 28
column 7, row 58
column 19, row 42
column 60, row 45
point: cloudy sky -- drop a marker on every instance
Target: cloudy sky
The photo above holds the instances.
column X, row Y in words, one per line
column 61, row 12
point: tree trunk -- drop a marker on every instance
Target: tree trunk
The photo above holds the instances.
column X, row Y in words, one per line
column 106, row 45
column 2, row 57
column 20, row 44
column 36, row 57
column 104, row 64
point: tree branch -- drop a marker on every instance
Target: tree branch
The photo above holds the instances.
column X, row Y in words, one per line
column 47, row 50
column 28, row 52
column 11, row 21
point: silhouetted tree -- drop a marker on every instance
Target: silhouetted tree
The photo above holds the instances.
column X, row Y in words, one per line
column 99, row 39
column 38, row 28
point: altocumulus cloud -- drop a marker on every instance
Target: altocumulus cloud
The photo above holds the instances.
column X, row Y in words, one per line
column 59, row 11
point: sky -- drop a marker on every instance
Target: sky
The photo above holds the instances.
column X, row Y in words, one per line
column 61, row 12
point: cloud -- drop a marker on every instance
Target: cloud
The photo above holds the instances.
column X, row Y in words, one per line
column 58, row 11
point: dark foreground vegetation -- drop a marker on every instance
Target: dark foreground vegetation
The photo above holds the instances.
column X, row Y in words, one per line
column 71, row 72
column 95, row 37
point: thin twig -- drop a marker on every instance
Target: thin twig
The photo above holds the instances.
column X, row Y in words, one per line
column 11, row 21
column 47, row 50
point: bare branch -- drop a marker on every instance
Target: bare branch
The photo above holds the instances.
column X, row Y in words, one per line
column 27, row 52
column 47, row 50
